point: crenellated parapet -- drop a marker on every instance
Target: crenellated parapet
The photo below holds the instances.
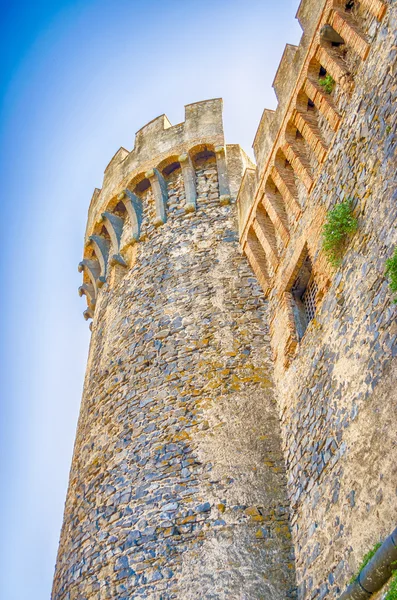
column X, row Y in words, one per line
column 155, row 144
column 133, row 201
column 314, row 85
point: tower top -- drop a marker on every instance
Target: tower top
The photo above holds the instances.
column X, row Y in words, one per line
column 133, row 201
column 156, row 144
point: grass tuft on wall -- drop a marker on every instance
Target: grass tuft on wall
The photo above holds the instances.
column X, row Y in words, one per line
column 340, row 224
column 391, row 272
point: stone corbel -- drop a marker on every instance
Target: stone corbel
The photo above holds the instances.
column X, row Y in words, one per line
column 224, row 191
column 328, row 34
column 133, row 206
column 88, row 314
column 88, row 290
column 93, row 269
column 101, row 247
column 114, row 225
column 299, row 163
column 159, row 187
column 189, row 181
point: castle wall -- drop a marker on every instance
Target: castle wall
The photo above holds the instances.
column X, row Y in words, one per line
column 210, row 411
column 177, row 487
column 336, row 386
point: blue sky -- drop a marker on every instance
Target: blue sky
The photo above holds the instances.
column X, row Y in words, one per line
column 77, row 80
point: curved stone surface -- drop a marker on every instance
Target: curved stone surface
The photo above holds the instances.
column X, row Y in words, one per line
column 177, row 487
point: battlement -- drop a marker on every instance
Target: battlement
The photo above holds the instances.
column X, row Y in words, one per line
column 133, row 201
column 297, row 61
column 313, row 84
column 155, row 142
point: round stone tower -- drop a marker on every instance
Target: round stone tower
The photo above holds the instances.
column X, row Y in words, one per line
column 177, row 485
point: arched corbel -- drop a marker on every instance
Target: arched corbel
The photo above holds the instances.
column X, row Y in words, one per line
column 257, row 259
column 93, row 269
column 376, row 7
column 322, row 101
column 88, row 314
column 133, row 206
column 88, row 290
column 159, row 187
column 328, row 34
column 299, row 163
column 284, row 180
column 307, row 124
column 334, row 65
column 101, row 247
column 114, row 225
column 224, row 191
column 189, row 181
column 342, row 24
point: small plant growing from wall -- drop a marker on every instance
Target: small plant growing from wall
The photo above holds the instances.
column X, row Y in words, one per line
column 366, row 558
column 327, row 83
column 339, row 225
column 392, row 591
column 391, row 272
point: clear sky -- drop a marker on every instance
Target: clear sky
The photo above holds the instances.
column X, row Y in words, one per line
column 78, row 78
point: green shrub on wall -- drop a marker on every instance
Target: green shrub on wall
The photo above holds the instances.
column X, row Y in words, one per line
column 327, row 83
column 391, row 272
column 339, row 225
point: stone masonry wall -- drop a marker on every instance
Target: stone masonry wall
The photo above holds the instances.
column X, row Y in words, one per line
column 177, row 487
column 336, row 387
column 338, row 399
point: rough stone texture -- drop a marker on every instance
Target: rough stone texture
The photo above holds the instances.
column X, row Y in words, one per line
column 177, row 487
column 200, row 395
column 336, row 388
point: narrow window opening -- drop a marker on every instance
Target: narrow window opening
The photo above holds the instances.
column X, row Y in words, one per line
column 304, row 293
column 349, row 5
column 322, row 72
column 310, row 105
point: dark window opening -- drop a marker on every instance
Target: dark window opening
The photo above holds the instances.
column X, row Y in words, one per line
column 322, row 72
column 202, row 157
column 304, row 293
column 119, row 209
column 310, row 105
column 349, row 5
column 171, row 168
column 143, row 185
